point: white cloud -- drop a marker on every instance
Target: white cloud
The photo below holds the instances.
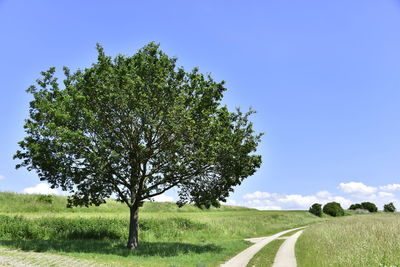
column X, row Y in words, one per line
column 357, row 189
column 2, row 177
column 257, row 195
column 274, row 201
column 385, row 194
column 163, row 198
column 42, row 188
column 390, row 187
column 353, row 192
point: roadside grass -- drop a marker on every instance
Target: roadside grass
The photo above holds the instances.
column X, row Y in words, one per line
column 265, row 257
column 359, row 240
column 168, row 236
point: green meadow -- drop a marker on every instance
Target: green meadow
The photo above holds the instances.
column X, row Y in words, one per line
column 352, row 241
column 169, row 236
column 189, row 236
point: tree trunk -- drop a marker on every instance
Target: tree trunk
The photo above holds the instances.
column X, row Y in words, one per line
column 133, row 240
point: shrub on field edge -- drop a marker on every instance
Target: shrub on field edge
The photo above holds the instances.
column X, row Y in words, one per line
column 333, row 209
column 389, row 207
column 316, row 209
column 371, row 207
column 48, row 199
column 356, row 206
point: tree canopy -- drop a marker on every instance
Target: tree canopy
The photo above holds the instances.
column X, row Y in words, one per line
column 134, row 127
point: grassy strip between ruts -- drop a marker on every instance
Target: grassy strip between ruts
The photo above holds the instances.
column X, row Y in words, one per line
column 168, row 237
column 353, row 241
column 265, row 257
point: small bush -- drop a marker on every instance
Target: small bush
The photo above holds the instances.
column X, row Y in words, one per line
column 316, row 209
column 48, row 199
column 389, row 207
column 371, row 207
column 356, row 206
column 333, row 209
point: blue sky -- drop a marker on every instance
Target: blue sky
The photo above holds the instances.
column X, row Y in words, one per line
column 323, row 76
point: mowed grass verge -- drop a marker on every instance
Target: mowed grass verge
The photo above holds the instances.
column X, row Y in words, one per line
column 169, row 236
column 359, row 240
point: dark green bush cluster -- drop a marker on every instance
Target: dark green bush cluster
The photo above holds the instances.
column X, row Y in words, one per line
column 369, row 206
column 316, row 209
column 333, row 209
column 356, row 206
column 389, row 207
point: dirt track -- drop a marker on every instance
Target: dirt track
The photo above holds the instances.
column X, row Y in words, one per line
column 241, row 259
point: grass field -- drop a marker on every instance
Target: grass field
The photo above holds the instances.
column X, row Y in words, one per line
column 359, row 240
column 169, row 236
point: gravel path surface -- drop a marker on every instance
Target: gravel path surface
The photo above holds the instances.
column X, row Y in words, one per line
column 19, row 258
column 241, row 259
column 286, row 256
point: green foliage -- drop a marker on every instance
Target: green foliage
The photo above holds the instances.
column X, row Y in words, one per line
column 137, row 126
column 371, row 207
column 355, row 206
column 333, row 209
column 389, row 207
column 316, row 209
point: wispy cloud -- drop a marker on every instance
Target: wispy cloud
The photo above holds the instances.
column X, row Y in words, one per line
column 390, row 187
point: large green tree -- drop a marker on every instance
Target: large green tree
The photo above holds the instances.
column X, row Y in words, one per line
column 135, row 127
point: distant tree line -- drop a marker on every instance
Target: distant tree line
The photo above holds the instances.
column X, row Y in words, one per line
column 335, row 209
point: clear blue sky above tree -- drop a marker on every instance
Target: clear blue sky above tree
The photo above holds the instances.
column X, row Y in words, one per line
column 323, row 76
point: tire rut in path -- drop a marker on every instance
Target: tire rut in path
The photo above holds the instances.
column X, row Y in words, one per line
column 286, row 256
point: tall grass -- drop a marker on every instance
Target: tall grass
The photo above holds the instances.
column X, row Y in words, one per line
column 23, row 203
column 168, row 236
column 360, row 240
